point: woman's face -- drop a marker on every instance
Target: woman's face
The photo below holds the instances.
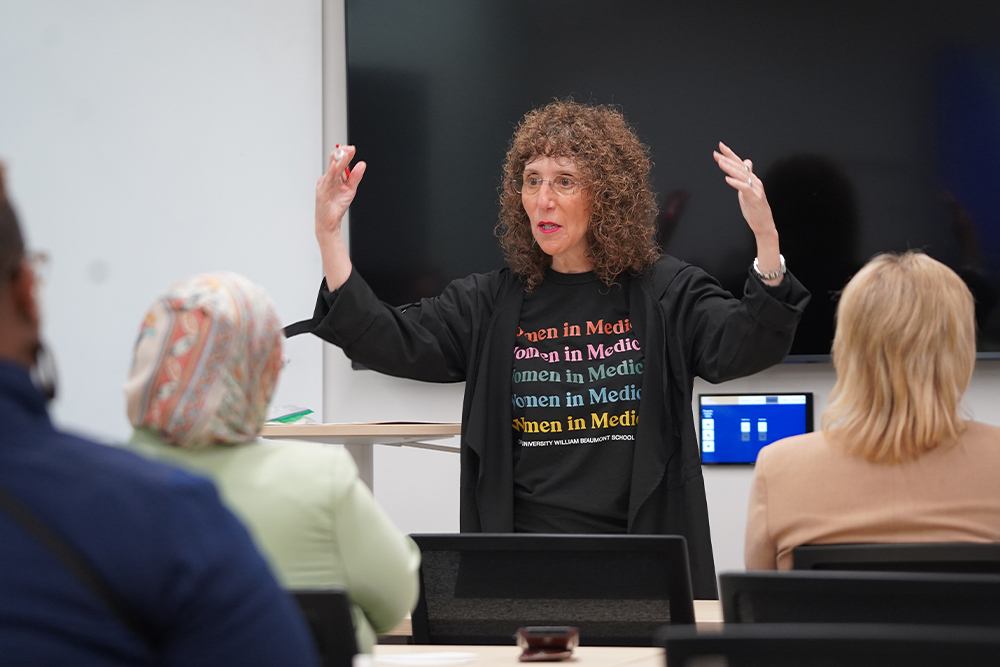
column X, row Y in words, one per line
column 558, row 211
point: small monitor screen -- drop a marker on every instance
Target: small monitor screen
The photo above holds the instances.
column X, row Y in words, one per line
column 734, row 427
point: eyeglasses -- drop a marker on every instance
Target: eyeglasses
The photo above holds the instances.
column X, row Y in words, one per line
column 562, row 185
column 38, row 262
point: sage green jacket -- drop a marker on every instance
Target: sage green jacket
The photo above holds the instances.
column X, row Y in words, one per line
column 313, row 519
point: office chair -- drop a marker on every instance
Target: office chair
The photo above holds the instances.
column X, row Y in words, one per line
column 328, row 613
column 837, row 645
column 963, row 557
column 479, row 588
column 861, row 597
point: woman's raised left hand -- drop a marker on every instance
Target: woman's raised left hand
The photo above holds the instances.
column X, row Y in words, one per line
column 753, row 203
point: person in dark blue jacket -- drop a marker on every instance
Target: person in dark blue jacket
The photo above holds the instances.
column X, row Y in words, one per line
column 107, row 558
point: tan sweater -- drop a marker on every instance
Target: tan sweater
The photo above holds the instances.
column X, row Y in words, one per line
column 806, row 491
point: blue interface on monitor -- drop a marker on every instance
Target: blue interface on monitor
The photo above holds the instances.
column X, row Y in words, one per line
column 734, row 427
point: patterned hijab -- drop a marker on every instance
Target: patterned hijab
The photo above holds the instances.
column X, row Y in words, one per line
column 206, row 362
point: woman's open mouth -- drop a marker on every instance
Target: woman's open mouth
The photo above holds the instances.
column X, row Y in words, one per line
column 548, row 227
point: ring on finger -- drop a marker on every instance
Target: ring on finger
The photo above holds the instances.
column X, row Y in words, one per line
column 747, row 167
column 750, row 182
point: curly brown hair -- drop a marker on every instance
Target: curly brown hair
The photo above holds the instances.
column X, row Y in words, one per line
column 615, row 166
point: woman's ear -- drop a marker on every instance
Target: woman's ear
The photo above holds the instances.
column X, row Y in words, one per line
column 19, row 313
column 25, row 296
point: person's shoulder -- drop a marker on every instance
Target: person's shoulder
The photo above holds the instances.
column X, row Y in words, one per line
column 797, row 450
column 327, row 471
column 670, row 273
column 982, row 436
column 665, row 268
column 120, row 463
column 492, row 286
column 302, row 454
column 982, row 430
column 497, row 278
column 116, row 486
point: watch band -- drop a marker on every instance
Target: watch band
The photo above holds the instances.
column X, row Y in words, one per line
column 770, row 275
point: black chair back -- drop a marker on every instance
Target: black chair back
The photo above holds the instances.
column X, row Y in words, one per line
column 861, row 597
column 328, row 613
column 838, row 645
column 958, row 557
column 479, row 588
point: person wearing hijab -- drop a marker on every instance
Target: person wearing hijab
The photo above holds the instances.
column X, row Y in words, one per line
column 206, row 363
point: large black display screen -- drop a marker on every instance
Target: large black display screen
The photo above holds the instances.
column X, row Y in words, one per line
column 875, row 126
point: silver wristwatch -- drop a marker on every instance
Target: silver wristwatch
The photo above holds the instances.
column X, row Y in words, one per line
column 770, row 275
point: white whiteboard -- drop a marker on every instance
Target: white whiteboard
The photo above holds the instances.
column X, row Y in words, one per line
column 146, row 142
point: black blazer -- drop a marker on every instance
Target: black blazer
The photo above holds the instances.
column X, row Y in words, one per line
column 689, row 324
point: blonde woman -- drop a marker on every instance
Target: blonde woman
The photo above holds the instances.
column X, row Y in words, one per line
column 895, row 461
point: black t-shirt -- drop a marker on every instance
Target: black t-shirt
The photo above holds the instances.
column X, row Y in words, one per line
column 575, row 390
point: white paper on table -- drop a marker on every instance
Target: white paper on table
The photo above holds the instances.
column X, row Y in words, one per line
column 425, row 659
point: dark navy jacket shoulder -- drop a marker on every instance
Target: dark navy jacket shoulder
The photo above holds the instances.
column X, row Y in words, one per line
column 158, row 536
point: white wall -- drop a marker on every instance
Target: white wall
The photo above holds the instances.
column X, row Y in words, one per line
column 146, row 142
column 419, row 489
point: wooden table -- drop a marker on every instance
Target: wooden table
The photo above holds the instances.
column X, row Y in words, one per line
column 707, row 617
column 359, row 439
column 490, row 656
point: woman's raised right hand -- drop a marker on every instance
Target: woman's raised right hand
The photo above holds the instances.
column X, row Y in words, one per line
column 334, row 195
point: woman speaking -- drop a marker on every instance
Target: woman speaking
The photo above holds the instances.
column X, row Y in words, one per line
column 579, row 357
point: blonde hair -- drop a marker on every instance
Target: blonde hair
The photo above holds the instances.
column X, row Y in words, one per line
column 904, row 351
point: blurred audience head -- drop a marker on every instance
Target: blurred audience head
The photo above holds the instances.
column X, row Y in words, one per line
column 11, row 241
column 19, row 311
column 206, row 362
column 904, row 351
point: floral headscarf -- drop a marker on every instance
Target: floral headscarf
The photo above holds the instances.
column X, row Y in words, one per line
column 206, row 362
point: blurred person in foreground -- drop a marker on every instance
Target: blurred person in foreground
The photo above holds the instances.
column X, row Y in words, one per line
column 206, row 364
column 106, row 558
column 895, row 461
